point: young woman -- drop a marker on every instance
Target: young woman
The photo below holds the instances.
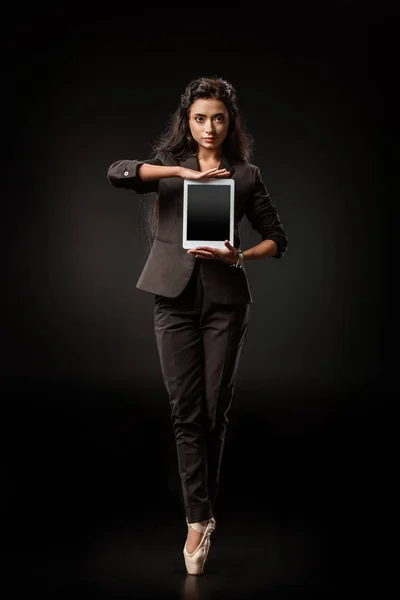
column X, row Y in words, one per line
column 202, row 296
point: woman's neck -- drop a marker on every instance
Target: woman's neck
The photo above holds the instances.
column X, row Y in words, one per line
column 208, row 156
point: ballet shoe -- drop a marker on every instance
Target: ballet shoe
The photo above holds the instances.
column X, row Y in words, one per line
column 195, row 560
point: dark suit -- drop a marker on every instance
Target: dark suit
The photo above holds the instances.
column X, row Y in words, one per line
column 201, row 315
column 169, row 266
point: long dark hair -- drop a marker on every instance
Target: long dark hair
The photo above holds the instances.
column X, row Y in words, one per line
column 178, row 140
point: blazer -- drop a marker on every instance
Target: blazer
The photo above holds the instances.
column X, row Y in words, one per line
column 168, row 267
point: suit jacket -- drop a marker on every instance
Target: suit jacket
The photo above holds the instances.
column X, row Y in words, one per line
column 168, row 267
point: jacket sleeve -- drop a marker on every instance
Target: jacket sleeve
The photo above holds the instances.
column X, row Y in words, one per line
column 124, row 174
column 263, row 216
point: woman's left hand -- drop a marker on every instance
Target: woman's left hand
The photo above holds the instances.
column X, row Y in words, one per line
column 230, row 255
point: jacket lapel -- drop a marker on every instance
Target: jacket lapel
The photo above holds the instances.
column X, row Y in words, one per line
column 225, row 164
column 190, row 163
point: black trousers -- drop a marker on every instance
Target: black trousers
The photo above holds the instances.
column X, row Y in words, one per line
column 199, row 344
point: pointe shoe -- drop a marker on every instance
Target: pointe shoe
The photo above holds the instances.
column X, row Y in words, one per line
column 195, row 560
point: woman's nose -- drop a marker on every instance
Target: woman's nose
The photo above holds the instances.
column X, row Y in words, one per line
column 209, row 127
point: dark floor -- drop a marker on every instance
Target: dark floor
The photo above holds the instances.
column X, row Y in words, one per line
column 247, row 557
column 94, row 500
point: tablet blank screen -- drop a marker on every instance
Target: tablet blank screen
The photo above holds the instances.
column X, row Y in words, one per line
column 208, row 212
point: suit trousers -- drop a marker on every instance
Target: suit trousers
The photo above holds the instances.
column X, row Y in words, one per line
column 199, row 344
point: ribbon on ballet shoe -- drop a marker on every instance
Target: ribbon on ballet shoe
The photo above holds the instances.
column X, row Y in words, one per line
column 199, row 527
column 211, row 526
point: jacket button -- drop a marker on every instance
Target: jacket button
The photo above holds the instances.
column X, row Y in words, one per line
column 126, row 173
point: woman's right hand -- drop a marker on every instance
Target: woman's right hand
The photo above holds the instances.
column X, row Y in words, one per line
column 210, row 174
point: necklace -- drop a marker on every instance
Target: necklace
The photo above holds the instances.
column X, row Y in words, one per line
column 208, row 166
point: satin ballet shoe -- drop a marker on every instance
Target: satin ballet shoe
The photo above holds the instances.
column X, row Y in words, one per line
column 195, row 560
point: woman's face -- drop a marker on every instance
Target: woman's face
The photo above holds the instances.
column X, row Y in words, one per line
column 208, row 122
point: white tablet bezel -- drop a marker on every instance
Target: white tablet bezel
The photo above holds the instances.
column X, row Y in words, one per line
column 187, row 244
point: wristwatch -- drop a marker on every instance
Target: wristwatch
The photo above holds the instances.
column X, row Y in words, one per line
column 239, row 263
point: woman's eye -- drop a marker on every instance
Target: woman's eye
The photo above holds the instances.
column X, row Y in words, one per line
column 219, row 119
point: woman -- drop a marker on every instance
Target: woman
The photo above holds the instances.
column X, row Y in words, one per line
column 202, row 295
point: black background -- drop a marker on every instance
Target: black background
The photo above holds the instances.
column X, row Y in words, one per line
column 88, row 441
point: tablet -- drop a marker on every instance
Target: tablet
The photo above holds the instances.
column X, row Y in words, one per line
column 208, row 212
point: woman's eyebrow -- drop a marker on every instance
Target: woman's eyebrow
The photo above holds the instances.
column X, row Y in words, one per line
column 216, row 114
